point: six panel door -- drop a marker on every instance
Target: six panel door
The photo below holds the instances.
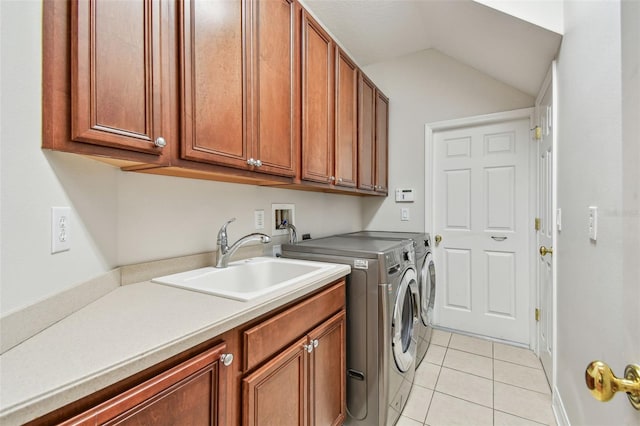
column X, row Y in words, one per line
column 481, row 194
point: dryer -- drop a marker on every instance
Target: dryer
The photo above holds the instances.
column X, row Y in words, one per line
column 426, row 280
column 382, row 311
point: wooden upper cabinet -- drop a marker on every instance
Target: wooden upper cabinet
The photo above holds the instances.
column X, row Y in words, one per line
column 275, row 91
column 239, row 83
column 366, row 133
column 346, row 121
column 317, row 102
column 212, row 90
column 120, row 79
column 382, row 142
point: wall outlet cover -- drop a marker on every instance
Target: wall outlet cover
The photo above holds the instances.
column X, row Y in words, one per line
column 258, row 217
column 60, row 229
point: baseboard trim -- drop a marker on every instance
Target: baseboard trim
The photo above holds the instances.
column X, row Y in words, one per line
column 558, row 409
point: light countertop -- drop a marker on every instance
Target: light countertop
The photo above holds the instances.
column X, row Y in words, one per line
column 124, row 332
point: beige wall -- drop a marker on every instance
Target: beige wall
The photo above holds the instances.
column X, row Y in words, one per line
column 598, row 157
column 117, row 218
column 426, row 87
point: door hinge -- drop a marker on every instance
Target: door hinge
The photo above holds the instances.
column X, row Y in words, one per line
column 537, row 223
column 537, row 133
column 537, row 314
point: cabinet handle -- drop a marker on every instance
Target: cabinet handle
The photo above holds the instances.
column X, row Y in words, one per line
column 332, row 178
column 315, row 343
column 226, row 359
column 160, row 142
column 258, row 163
column 339, row 179
column 251, row 162
column 308, row 348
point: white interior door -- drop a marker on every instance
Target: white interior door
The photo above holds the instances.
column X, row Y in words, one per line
column 482, row 212
column 546, row 231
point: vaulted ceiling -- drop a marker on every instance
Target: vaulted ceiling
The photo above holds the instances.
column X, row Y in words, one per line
column 506, row 48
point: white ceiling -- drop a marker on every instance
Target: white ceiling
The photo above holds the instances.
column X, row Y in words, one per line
column 506, row 48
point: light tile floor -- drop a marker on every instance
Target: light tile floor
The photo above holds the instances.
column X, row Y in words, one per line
column 470, row 381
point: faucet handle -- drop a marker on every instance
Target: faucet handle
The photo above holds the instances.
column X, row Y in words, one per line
column 228, row 222
column 222, row 233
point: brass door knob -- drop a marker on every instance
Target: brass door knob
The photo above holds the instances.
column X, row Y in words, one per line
column 603, row 384
column 544, row 251
column 438, row 239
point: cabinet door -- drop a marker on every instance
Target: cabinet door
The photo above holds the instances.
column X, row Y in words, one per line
column 213, row 84
column 327, row 370
column 346, row 116
column 317, row 102
column 276, row 393
column 275, row 120
column 366, row 134
column 192, row 393
column 119, row 74
column 382, row 138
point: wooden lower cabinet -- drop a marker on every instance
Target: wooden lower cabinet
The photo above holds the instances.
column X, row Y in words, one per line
column 304, row 384
column 327, row 369
column 276, row 394
column 288, row 368
column 194, row 392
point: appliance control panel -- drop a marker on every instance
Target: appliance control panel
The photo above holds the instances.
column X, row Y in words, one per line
column 405, row 195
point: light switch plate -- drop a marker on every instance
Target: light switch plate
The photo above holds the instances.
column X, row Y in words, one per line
column 593, row 223
column 559, row 219
column 404, row 214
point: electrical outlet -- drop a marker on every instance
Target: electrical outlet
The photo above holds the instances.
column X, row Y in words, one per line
column 60, row 229
column 258, row 217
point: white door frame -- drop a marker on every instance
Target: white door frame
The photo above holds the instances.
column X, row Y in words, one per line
column 430, row 129
column 552, row 81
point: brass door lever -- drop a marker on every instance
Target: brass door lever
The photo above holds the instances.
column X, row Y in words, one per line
column 603, row 384
column 544, row 251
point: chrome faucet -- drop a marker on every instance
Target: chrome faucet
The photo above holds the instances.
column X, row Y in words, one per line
column 225, row 252
column 293, row 235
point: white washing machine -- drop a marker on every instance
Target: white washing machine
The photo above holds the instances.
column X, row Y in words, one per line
column 382, row 312
column 426, row 280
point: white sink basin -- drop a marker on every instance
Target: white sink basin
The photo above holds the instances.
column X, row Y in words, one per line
column 246, row 279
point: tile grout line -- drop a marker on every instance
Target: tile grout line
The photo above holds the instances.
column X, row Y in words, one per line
column 435, row 385
column 520, row 417
column 493, row 381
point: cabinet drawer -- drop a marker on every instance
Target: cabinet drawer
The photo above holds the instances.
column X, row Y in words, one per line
column 270, row 336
